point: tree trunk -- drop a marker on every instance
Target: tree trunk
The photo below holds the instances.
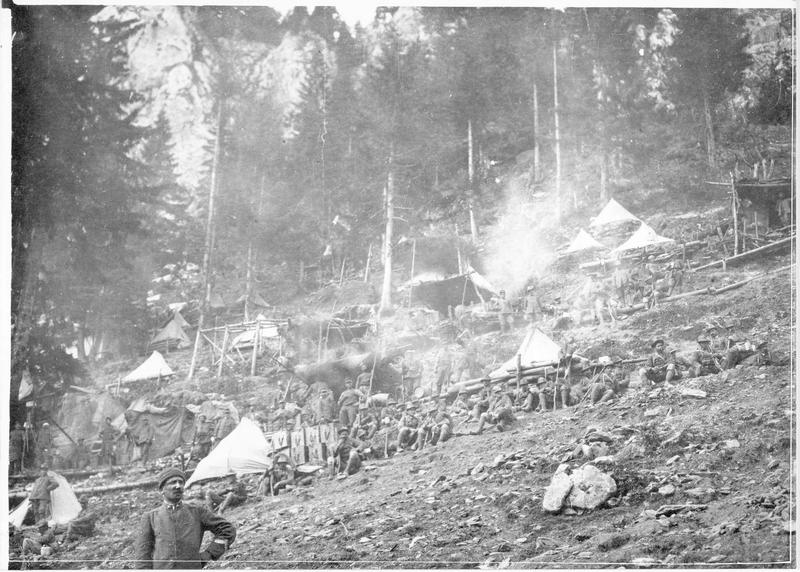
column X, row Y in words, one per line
column 604, row 178
column 210, row 236
column 251, row 252
column 557, row 135
column 386, row 292
column 711, row 147
column 473, row 224
column 536, row 172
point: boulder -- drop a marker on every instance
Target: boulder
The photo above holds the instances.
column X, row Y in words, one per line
column 591, row 487
column 558, row 490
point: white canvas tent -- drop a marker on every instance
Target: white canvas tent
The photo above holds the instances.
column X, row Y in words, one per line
column 64, row 504
column 244, row 450
column 172, row 334
column 536, row 348
column 643, row 237
column 153, row 367
column 247, row 338
column 582, row 242
column 612, row 213
column 180, row 320
column 480, row 281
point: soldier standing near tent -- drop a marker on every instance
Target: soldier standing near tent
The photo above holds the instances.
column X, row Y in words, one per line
column 170, row 536
column 44, row 444
column 411, row 369
column 533, row 306
column 40, row 495
column 107, row 437
column 505, row 312
column 225, row 425
column 326, row 407
column 145, row 439
column 619, row 282
column 16, row 448
column 80, row 456
column 443, row 369
column 348, row 404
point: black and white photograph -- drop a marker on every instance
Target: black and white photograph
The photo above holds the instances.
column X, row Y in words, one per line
column 400, row 287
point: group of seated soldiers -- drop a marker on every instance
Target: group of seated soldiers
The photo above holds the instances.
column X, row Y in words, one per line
column 713, row 355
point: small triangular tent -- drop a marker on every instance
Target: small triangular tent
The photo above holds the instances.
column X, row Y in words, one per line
column 171, row 335
column 612, row 213
column 25, row 385
column 536, row 348
column 244, row 451
column 180, row 320
column 153, row 367
column 216, row 301
column 643, row 237
column 584, row 241
column 64, row 504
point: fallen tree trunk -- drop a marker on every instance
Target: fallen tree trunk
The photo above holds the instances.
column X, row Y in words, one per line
column 22, row 495
column 777, row 245
column 709, row 290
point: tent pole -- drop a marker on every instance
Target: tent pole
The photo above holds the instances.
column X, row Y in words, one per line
column 50, row 417
column 256, row 344
column 413, row 262
column 223, row 352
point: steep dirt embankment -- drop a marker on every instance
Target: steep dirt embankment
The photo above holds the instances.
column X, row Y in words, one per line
column 477, row 500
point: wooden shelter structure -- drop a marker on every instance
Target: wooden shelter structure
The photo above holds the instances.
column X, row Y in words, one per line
column 261, row 334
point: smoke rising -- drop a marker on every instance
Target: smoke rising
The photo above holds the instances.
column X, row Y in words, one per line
column 518, row 247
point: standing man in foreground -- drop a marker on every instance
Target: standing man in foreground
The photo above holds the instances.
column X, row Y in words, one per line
column 170, row 535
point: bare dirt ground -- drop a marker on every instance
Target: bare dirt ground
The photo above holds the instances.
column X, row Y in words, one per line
column 476, row 501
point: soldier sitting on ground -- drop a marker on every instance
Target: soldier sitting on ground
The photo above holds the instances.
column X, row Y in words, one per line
column 500, row 414
column 704, row 361
column 762, row 355
column 608, row 383
column 659, row 366
column 483, row 400
column 409, row 428
column 442, row 424
column 460, row 405
column 425, row 427
column 283, row 474
column 43, row 542
column 232, row 493
column 346, row 454
column 366, row 422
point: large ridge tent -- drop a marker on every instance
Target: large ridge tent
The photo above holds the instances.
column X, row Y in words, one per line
column 612, row 213
column 64, row 505
column 466, row 288
column 645, row 236
column 583, row 242
column 536, row 348
column 245, row 450
column 153, row 367
column 172, row 426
